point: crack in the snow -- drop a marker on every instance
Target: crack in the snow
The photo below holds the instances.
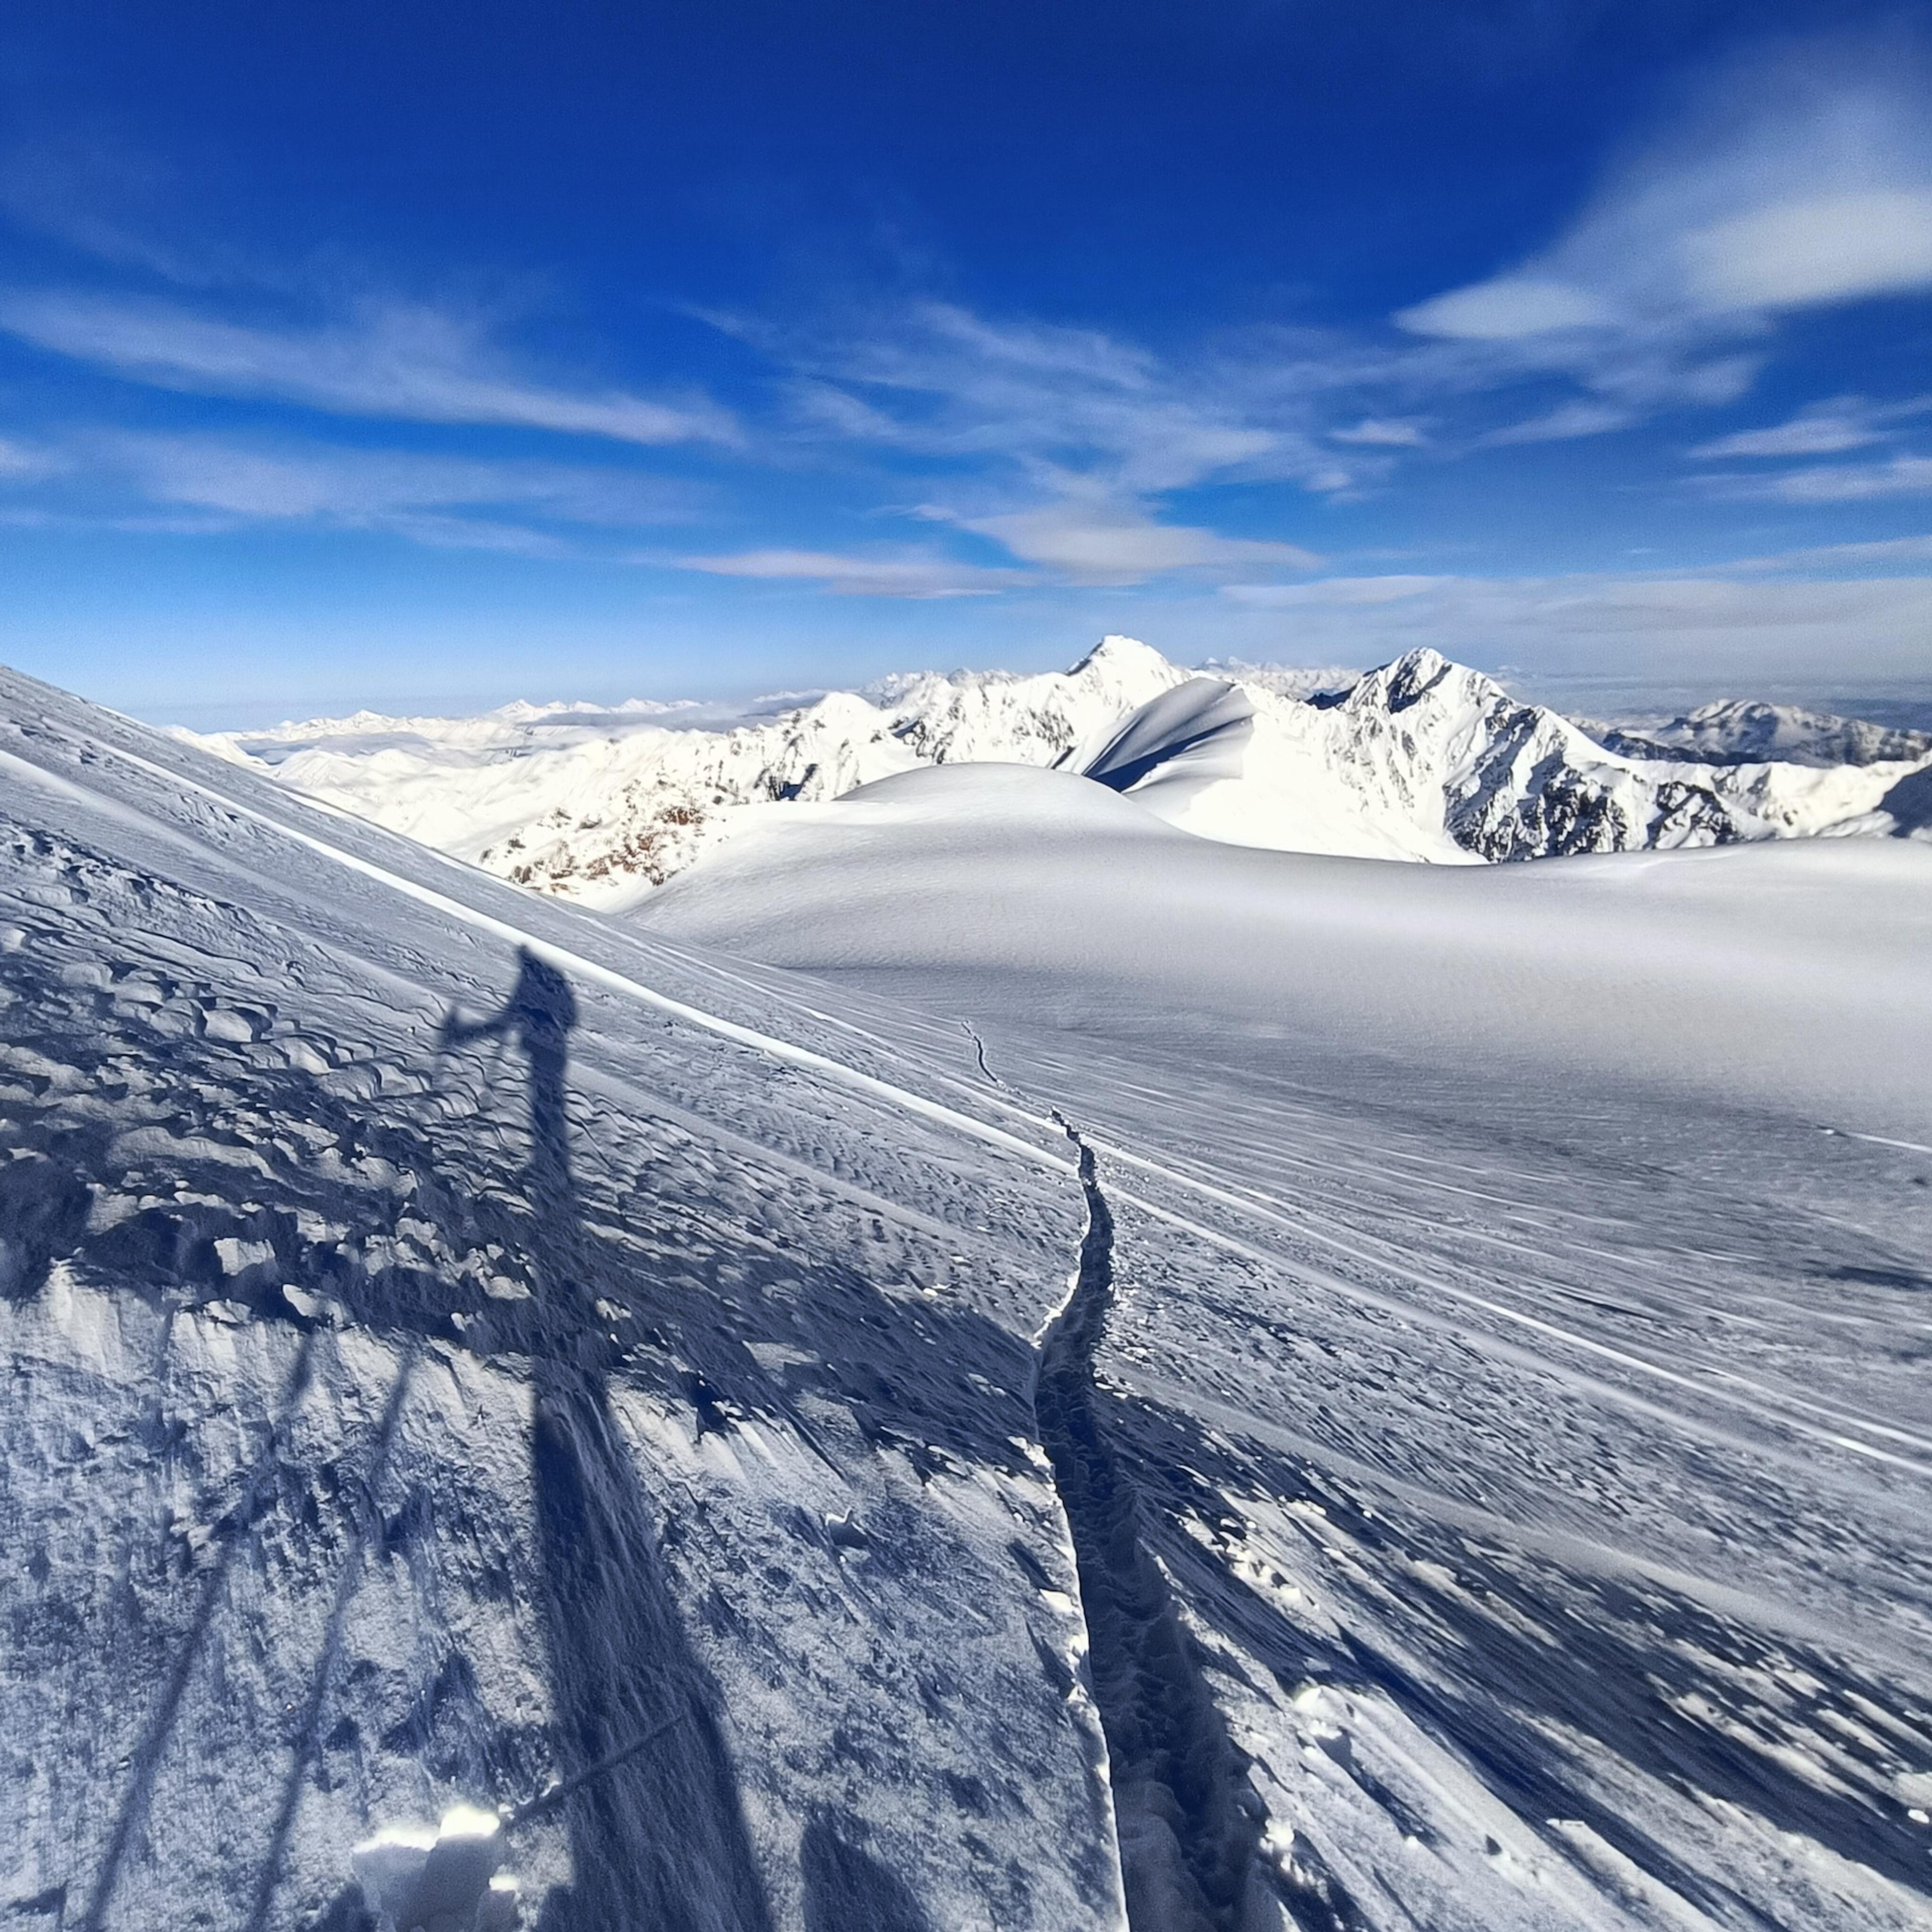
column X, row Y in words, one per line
column 980, row 1053
column 1189, row 1822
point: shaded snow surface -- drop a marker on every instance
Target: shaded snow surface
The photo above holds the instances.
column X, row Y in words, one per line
column 1350, row 1410
column 388, row 1432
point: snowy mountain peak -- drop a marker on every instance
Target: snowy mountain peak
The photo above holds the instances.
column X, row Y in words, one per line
column 1121, row 657
column 1423, row 758
column 1411, row 677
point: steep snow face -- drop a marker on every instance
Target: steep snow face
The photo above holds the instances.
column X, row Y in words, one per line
column 1421, row 760
column 512, row 1391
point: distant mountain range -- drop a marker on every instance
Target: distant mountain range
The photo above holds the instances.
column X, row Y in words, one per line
column 1421, row 760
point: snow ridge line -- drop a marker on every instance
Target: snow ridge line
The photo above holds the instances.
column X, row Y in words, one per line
column 1187, row 1822
column 565, row 960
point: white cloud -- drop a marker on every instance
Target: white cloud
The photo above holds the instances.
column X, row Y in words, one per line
column 1842, row 555
column 394, row 360
column 1101, row 543
column 1827, row 483
column 20, row 464
column 915, row 573
column 1823, row 429
column 1381, row 433
column 1800, row 180
column 1816, row 248
column 1507, row 308
column 1346, row 592
column 1564, row 422
column 1703, row 628
column 534, row 509
column 939, row 382
column 1063, row 444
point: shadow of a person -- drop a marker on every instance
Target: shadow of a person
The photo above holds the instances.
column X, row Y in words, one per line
column 657, row 1835
column 537, row 1019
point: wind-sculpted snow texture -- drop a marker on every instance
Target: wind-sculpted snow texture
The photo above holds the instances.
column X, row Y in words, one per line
column 468, row 1358
column 619, row 1416
column 1422, row 760
column 1520, row 1304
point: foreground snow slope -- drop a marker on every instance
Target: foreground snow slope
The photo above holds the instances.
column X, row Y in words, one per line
column 1345, row 1471
column 1524, row 1284
column 1421, row 760
column 386, row 1430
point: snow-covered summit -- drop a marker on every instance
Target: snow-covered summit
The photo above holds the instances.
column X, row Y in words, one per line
column 1423, row 759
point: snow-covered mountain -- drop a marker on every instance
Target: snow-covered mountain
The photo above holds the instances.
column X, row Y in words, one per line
column 1166, row 1387
column 1733, row 733
column 596, row 806
column 1420, row 760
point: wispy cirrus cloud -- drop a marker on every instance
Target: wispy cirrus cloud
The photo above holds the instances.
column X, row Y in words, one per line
column 1384, row 433
column 401, row 361
column 1067, row 447
column 1090, row 540
column 1825, row 483
column 191, row 483
column 1827, row 428
column 1564, row 423
column 911, row 573
column 935, row 378
column 1651, row 625
column 273, row 481
column 1884, row 552
column 19, row 463
column 1799, row 179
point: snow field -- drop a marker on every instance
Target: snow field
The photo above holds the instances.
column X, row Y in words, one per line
column 1520, row 1399
column 1525, row 1398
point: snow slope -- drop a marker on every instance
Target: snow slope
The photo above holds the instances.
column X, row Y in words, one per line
column 1521, row 1313
column 1210, row 1441
column 389, row 1431
column 1422, row 760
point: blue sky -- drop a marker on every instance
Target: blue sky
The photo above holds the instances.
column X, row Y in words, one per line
column 431, row 355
